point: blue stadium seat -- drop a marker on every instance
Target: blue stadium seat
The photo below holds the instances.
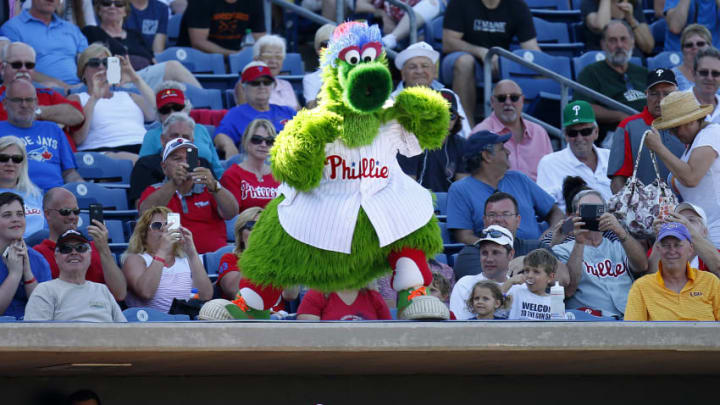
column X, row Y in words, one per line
column 433, row 33
column 115, row 227
column 554, row 38
column 239, row 60
column 441, row 203
column 444, row 232
column 293, row 65
column 7, row 318
column 141, row 314
column 212, row 259
column 194, row 60
column 589, row 57
column 442, row 258
column 563, row 16
column 658, row 29
column 528, row 80
column 548, row 4
column 229, row 98
column 230, row 229
column 205, row 98
column 173, row 29
column 37, row 237
column 92, row 193
column 98, row 168
column 451, row 259
column 667, row 60
column 217, row 81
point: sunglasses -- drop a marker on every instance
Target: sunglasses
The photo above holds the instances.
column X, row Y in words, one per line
column 572, row 133
column 67, row 249
column 324, row 44
column 157, row 225
column 20, row 100
column 66, row 211
column 118, row 4
column 493, row 234
column 18, row 65
column 707, row 72
column 96, row 62
column 265, row 83
column 170, row 108
column 257, row 140
column 249, row 225
column 698, row 44
column 15, row 158
column 502, row 97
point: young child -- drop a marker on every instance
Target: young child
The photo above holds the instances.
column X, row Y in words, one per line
column 440, row 287
column 528, row 289
column 486, row 298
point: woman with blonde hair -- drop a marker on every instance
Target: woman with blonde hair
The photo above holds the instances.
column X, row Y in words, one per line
column 161, row 263
column 229, row 275
column 114, row 120
column 14, row 178
column 695, row 37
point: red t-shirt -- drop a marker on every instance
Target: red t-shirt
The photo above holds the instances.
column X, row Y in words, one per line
column 628, row 164
column 368, row 305
column 94, row 273
column 198, row 213
column 246, row 188
column 228, row 264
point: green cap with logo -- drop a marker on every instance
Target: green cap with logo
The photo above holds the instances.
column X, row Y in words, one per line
column 578, row 112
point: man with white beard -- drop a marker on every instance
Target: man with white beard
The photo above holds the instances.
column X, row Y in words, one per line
column 615, row 76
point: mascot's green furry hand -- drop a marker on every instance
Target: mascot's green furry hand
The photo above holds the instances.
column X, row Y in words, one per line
column 424, row 112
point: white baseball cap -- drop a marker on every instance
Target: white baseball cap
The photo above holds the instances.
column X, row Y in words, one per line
column 497, row 234
column 175, row 144
column 421, row 48
column 692, row 207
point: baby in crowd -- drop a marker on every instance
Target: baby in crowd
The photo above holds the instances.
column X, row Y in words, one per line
column 528, row 288
column 486, row 298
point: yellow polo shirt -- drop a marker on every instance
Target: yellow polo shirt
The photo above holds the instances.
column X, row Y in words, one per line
column 650, row 300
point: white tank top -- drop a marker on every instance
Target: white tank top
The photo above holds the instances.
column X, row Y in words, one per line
column 116, row 121
column 175, row 282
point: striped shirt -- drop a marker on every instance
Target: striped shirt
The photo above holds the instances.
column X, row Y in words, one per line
column 175, row 282
column 368, row 177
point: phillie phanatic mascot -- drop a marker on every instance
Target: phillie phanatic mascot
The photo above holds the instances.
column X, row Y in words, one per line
column 346, row 213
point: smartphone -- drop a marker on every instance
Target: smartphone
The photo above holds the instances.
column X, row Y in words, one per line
column 567, row 227
column 173, row 220
column 6, row 252
column 192, row 159
column 113, row 70
column 96, row 212
column 590, row 214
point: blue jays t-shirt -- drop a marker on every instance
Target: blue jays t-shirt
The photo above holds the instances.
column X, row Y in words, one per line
column 237, row 118
column 40, row 269
column 153, row 20
column 48, row 151
column 466, row 203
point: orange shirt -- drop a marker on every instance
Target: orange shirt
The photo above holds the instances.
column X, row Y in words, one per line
column 699, row 299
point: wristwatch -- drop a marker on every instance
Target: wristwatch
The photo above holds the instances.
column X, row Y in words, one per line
column 38, row 111
column 218, row 187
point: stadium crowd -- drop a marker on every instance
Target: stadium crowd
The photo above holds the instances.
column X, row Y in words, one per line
column 511, row 195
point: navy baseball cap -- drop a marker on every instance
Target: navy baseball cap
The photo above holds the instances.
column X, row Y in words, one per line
column 480, row 140
column 674, row 229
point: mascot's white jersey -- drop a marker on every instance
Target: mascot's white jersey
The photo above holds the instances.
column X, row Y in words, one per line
column 368, row 177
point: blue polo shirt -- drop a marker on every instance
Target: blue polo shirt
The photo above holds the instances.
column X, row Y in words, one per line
column 238, row 117
column 703, row 12
column 48, row 151
column 466, row 203
column 40, row 269
column 57, row 45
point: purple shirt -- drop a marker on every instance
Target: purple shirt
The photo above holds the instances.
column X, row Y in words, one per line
column 524, row 156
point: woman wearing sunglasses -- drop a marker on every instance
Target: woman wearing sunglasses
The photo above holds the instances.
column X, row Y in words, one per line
column 694, row 38
column 161, row 264
column 707, row 81
column 114, row 120
column 14, row 178
column 250, row 181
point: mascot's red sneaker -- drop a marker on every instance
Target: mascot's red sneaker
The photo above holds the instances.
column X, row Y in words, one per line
column 410, row 276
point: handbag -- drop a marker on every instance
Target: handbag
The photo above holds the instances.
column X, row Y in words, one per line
column 637, row 205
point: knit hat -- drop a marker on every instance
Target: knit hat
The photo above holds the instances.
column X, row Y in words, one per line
column 214, row 310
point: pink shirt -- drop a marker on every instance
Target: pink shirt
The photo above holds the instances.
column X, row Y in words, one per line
column 524, row 156
column 283, row 94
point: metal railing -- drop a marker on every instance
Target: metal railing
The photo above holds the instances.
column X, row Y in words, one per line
column 565, row 85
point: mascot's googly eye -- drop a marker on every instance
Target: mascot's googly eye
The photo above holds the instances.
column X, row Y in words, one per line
column 351, row 55
column 370, row 51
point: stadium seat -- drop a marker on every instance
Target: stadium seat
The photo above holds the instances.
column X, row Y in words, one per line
column 230, row 229
column 37, row 237
column 563, row 16
column 212, row 259
column 433, row 33
column 194, row 60
column 441, row 203
column 293, row 65
column 141, row 314
column 205, row 98
column 92, row 193
column 215, row 81
column 229, row 98
column 451, row 259
column 554, row 38
column 7, row 318
column 528, row 79
column 548, row 4
column 667, row 60
column 115, row 228
column 442, row 258
column 240, row 59
column 173, row 29
column 658, row 29
column 589, row 57
column 98, row 168
column 444, row 232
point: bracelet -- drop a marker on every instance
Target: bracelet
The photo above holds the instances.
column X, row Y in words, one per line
column 32, row 280
column 160, row 259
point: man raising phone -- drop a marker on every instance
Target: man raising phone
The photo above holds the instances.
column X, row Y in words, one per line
column 203, row 204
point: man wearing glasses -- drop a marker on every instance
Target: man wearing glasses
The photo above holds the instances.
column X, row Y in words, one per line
column 70, row 297
column 62, row 214
column 19, row 63
column 50, row 158
column 627, row 137
column 529, row 141
column 579, row 158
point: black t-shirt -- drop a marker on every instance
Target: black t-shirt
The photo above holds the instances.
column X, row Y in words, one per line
column 435, row 169
column 487, row 28
column 592, row 40
column 133, row 45
column 227, row 21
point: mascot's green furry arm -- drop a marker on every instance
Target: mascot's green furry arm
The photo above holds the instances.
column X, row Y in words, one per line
column 347, row 214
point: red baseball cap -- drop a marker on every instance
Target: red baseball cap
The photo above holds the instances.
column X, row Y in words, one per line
column 168, row 96
column 255, row 70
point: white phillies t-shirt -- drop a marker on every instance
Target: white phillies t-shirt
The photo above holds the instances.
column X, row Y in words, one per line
column 528, row 306
column 368, row 177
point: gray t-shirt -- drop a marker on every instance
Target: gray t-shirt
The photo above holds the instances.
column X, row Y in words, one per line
column 58, row 300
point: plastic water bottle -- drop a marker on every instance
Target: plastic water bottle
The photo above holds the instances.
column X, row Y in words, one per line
column 194, row 295
column 557, row 301
column 248, row 40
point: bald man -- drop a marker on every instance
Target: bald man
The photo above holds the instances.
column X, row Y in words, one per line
column 529, row 141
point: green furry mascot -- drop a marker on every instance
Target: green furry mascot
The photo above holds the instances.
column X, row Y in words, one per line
column 347, row 214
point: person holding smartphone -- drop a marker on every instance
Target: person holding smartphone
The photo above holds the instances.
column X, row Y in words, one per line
column 600, row 278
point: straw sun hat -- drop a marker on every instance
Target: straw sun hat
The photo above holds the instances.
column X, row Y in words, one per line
column 678, row 108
